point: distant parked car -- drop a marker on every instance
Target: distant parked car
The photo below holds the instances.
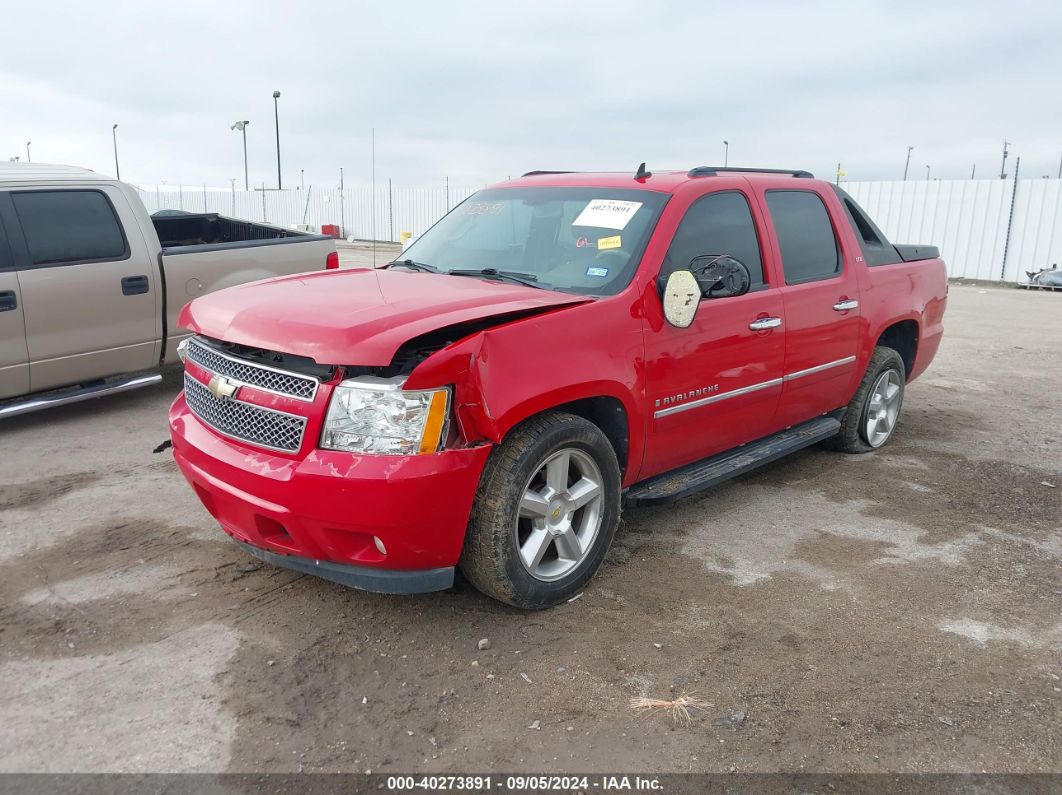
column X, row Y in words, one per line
column 1046, row 277
column 90, row 285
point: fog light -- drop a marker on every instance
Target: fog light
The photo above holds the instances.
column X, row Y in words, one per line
column 379, row 545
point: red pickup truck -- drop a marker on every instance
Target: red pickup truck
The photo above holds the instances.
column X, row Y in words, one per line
column 557, row 346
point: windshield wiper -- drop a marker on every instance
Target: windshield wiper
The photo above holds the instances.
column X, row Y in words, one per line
column 413, row 265
column 526, row 279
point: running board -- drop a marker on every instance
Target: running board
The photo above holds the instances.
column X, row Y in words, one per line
column 77, row 394
column 682, row 482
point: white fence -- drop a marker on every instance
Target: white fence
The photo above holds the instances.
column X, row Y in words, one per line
column 985, row 228
column 360, row 213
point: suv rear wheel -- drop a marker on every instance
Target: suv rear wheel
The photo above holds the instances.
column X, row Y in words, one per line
column 547, row 508
column 872, row 415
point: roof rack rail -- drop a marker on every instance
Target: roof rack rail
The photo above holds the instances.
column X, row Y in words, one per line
column 711, row 171
column 540, row 173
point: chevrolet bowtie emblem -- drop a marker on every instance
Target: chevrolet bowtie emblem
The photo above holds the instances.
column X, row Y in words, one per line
column 222, row 388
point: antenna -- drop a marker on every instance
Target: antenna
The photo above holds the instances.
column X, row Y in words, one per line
column 642, row 173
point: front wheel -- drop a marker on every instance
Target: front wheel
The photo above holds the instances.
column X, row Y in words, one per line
column 872, row 414
column 547, row 508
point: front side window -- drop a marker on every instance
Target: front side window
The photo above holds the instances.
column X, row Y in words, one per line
column 720, row 223
column 805, row 236
column 69, row 226
column 581, row 240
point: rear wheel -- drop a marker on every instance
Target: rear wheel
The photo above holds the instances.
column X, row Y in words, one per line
column 872, row 414
column 545, row 513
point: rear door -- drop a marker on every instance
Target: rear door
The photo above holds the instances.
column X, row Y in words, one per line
column 716, row 384
column 821, row 298
column 14, row 360
column 90, row 290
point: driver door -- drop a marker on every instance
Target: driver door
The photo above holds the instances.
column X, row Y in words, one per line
column 716, row 384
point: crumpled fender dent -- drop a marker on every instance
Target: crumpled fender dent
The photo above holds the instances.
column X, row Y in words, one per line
column 504, row 374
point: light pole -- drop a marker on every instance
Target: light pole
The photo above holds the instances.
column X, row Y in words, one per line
column 276, row 120
column 342, row 206
column 302, row 179
column 726, row 153
column 114, row 138
column 1003, row 167
column 242, row 127
column 908, row 163
column 927, row 172
column 28, row 160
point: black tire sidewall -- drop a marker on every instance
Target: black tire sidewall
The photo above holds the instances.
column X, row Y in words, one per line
column 504, row 491
column 850, row 438
column 865, row 409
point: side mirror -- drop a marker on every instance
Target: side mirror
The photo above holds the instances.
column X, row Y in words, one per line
column 721, row 276
column 682, row 296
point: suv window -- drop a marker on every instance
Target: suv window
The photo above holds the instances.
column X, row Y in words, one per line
column 720, row 223
column 69, row 226
column 805, row 235
column 876, row 248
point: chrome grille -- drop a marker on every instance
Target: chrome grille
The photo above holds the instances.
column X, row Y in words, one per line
column 277, row 381
column 249, row 423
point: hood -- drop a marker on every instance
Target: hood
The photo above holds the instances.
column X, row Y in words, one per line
column 356, row 317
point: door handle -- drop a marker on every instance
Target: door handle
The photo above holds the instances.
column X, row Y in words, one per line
column 846, row 305
column 765, row 323
column 134, row 285
column 8, row 301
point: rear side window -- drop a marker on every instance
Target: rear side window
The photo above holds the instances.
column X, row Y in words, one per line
column 5, row 251
column 805, row 236
column 720, row 223
column 876, row 249
column 69, row 226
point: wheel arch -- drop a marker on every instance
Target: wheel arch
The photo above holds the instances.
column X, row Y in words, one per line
column 602, row 407
column 902, row 336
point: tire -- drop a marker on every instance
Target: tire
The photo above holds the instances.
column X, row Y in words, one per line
column 517, row 549
column 885, row 367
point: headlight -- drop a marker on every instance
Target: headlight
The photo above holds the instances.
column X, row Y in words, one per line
column 375, row 415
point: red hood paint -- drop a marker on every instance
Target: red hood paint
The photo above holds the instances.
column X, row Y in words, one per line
column 358, row 317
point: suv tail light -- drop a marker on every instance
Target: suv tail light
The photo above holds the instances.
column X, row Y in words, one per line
column 332, row 261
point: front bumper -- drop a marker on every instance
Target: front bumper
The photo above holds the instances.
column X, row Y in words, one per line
column 322, row 510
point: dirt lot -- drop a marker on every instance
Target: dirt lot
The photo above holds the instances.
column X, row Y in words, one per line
column 893, row 612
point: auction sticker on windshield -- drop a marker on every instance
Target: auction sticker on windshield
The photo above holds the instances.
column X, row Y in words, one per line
column 607, row 213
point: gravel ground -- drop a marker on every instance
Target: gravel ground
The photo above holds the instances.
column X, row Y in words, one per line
column 892, row 612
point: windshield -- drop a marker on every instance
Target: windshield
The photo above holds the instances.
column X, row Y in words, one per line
column 581, row 240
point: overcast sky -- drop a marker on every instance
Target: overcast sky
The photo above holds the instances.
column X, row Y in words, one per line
column 478, row 92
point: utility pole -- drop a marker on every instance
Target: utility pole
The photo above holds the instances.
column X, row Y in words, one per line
column 342, row 206
column 276, row 121
column 908, row 163
column 114, row 138
column 1003, row 167
column 242, row 127
column 372, row 159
